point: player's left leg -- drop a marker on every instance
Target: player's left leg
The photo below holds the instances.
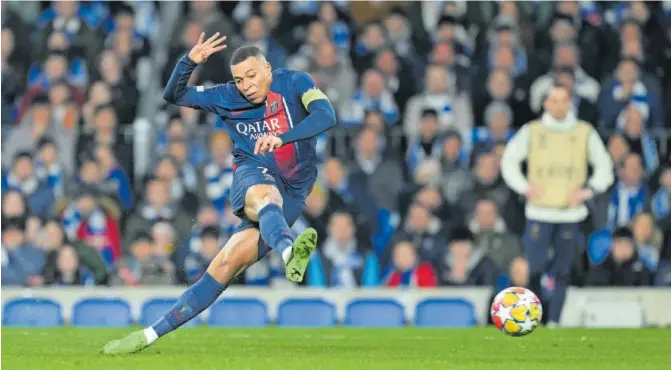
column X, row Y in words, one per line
column 566, row 242
column 241, row 250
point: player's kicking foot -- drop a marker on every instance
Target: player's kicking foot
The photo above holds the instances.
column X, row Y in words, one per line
column 300, row 255
column 134, row 342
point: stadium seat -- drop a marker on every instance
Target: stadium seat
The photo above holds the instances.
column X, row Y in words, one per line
column 32, row 312
column 378, row 313
column 445, row 313
column 598, row 246
column 99, row 312
column 154, row 309
column 300, row 312
column 238, row 312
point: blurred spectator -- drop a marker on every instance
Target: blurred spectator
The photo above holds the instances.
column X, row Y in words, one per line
column 626, row 88
column 198, row 260
column 424, row 231
column 177, row 130
column 334, row 75
column 661, row 201
column 618, row 148
column 107, row 133
column 40, row 122
column 352, row 188
column 144, row 266
column 492, row 235
column 407, row 270
column 622, row 267
column 68, row 270
column 398, row 75
column 22, row 178
column 500, row 87
column 13, row 204
column 371, row 39
column 585, row 109
column 115, row 176
column 566, row 56
column 373, row 95
column 12, row 85
column 648, row 239
column 456, row 176
column 48, row 167
column 427, row 144
column 377, row 169
column 156, row 207
column 462, row 265
column 498, row 119
column 638, row 139
column 52, row 239
column 317, row 34
column 21, row 261
column 630, row 196
column 99, row 94
column 254, row 32
column 95, row 220
column 207, row 216
column 216, row 177
column 178, row 149
column 454, row 110
column 69, row 18
column 122, row 87
column 335, row 20
column 488, row 183
column 279, row 22
column 343, row 255
column 182, row 186
column 444, row 54
column 163, row 235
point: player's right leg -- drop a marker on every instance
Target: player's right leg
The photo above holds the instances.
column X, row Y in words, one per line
column 241, row 251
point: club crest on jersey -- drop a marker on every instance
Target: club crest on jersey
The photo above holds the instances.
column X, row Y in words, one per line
column 274, row 107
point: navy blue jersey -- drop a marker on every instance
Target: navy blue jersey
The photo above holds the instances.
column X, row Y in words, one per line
column 291, row 97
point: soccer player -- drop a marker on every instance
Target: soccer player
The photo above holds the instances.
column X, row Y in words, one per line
column 273, row 118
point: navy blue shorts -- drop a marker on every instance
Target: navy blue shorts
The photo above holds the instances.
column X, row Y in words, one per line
column 248, row 175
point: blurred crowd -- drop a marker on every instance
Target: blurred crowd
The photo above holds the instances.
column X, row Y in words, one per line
column 410, row 194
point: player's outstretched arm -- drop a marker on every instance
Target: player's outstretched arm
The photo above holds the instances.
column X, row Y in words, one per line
column 321, row 115
column 177, row 92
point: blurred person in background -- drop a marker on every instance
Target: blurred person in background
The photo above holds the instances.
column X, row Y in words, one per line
column 585, row 109
column 626, row 88
column 407, row 270
column 67, row 269
column 454, row 163
column 334, row 75
column 122, row 87
column 425, row 231
column 639, row 140
column 556, row 189
column 427, row 144
column 51, row 239
column 106, row 132
column 94, row 219
column 14, row 205
column 98, row 94
column 22, row 178
column 454, row 110
column 398, row 75
column 182, row 188
column 155, row 207
column 648, row 239
column 115, row 177
column 462, row 265
column 373, row 95
column 317, row 34
column 371, row 39
column 343, row 256
column 21, row 261
column 144, row 266
column 618, row 148
column 378, row 170
column 492, row 235
column 279, row 21
column 177, row 130
column 622, row 266
column 179, row 150
column 499, row 86
column 630, row 196
column 254, row 32
column 498, row 120
column 661, row 200
column 216, row 177
column 48, row 167
column 197, row 261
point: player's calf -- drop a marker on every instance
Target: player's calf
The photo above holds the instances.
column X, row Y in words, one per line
column 263, row 204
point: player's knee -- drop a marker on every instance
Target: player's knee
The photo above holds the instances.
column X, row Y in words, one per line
column 260, row 195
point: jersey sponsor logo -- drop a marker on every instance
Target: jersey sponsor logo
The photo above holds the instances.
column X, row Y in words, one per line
column 255, row 130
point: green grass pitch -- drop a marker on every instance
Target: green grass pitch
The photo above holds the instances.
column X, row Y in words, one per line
column 343, row 349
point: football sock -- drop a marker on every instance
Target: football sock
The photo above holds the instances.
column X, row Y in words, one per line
column 275, row 230
column 192, row 302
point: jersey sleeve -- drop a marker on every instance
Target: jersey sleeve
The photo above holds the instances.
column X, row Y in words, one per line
column 177, row 92
column 306, row 88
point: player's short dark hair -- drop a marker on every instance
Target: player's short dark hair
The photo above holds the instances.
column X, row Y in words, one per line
column 248, row 51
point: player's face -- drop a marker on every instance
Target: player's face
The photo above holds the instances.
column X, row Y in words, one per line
column 252, row 77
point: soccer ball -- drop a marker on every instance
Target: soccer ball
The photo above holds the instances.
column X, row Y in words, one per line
column 516, row 311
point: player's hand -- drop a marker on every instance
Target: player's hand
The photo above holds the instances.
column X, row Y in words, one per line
column 579, row 196
column 533, row 192
column 267, row 144
column 203, row 49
